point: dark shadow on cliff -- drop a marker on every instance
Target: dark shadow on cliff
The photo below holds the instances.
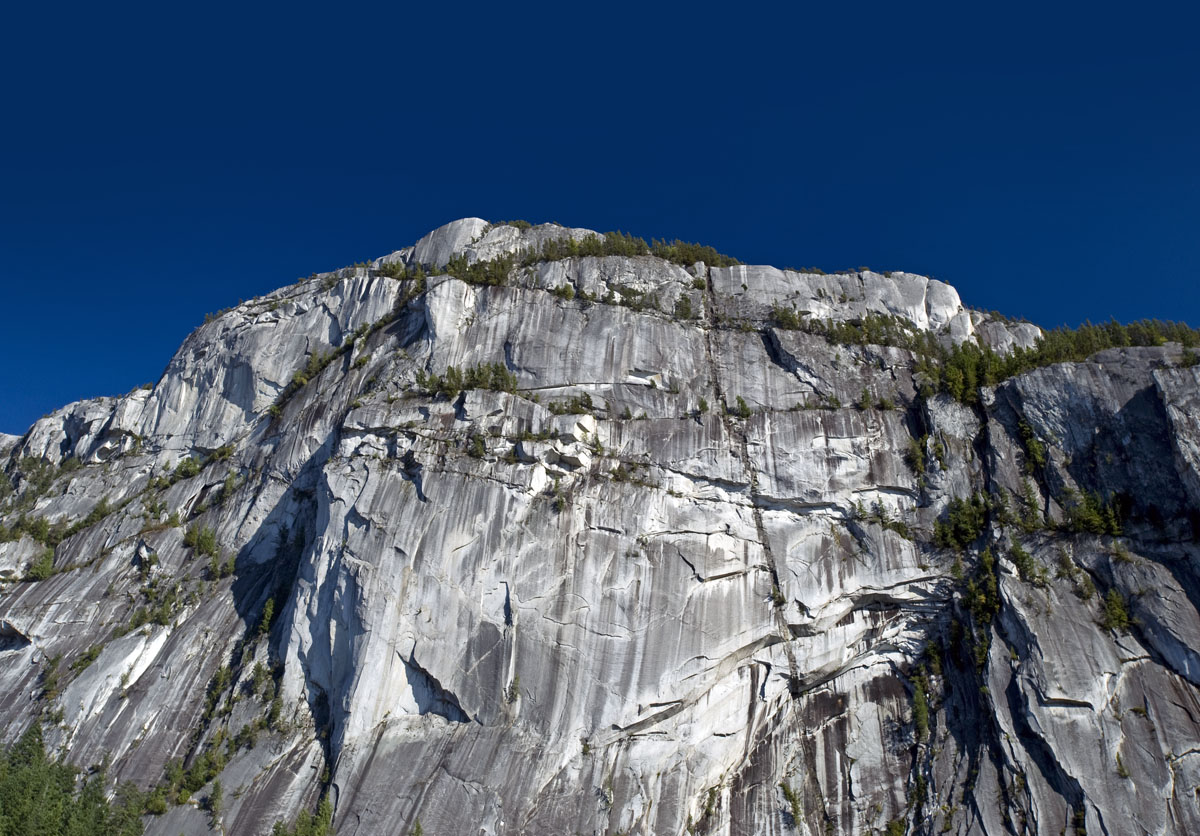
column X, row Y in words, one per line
column 267, row 568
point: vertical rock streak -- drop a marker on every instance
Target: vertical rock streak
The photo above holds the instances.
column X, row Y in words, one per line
column 717, row 577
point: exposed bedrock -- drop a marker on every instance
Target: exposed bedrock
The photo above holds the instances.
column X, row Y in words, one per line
column 601, row 549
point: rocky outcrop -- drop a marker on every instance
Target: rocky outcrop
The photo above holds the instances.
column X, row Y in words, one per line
column 600, row 549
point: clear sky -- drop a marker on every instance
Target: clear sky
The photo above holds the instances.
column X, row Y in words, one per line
column 160, row 161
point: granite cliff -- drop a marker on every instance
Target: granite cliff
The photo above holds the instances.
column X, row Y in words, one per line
column 509, row 533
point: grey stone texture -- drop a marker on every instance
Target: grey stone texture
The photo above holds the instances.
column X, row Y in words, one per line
column 648, row 616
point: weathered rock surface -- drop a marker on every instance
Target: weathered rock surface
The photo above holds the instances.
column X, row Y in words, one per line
column 607, row 599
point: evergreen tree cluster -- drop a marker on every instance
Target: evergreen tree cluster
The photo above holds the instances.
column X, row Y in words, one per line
column 493, row 376
column 1116, row 612
column 964, row 523
column 870, row 329
column 961, row 370
column 1089, row 513
column 623, row 244
column 51, row 534
column 402, row 272
column 982, row 597
column 41, row 796
column 574, row 405
column 685, row 253
column 489, row 273
column 308, row 824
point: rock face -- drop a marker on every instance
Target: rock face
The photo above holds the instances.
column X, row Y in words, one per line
column 668, row 573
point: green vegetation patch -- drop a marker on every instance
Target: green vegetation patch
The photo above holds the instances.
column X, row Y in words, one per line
column 629, row 246
column 961, row 370
column 964, row 523
column 43, row 795
column 491, row 376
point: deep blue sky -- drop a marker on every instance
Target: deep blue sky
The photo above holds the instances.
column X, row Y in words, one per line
column 160, row 162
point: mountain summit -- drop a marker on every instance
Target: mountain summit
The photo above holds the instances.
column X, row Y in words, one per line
column 532, row 530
